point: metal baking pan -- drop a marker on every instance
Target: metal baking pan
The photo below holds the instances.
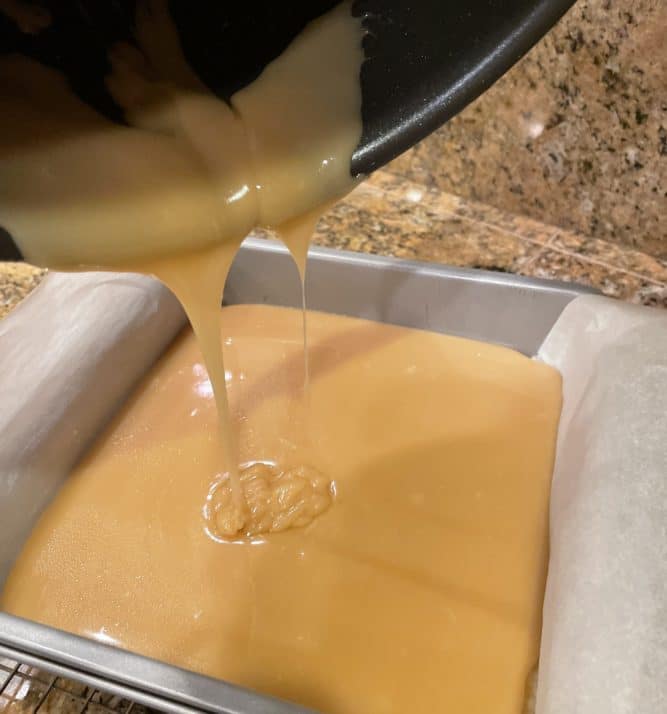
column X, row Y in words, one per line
column 504, row 309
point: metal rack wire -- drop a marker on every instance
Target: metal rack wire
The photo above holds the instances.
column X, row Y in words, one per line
column 25, row 689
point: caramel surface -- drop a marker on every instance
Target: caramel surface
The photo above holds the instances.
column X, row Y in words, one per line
column 417, row 589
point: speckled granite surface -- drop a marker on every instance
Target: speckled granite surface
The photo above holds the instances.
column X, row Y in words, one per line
column 389, row 215
column 393, row 216
column 16, row 281
column 575, row 135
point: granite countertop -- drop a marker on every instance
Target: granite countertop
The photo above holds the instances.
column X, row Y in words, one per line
column 574, row 135
column 390, row 215
column 16, row 281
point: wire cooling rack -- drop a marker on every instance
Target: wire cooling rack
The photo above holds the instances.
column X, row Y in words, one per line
column 25, row 689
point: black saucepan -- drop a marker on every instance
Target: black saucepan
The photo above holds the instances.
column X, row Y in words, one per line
column 425, row 59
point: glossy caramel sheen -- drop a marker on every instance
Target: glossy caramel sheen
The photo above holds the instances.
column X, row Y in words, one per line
column 418, row 589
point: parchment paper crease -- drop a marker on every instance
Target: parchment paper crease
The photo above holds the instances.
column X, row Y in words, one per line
column 69, row 355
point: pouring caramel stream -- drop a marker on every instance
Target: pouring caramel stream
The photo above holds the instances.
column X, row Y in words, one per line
column 175, row 193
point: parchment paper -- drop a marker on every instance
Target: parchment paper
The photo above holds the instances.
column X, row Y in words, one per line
column 69, row 355
column 604, row 644
column 604, row 639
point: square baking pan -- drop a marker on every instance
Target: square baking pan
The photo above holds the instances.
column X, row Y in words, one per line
column 513, row 311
